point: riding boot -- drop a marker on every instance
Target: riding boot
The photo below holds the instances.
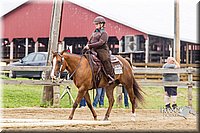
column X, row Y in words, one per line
column 109, row 71
column 167, row 106
column 174, row 106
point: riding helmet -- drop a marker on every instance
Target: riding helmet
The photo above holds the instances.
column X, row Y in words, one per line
column 99, row 19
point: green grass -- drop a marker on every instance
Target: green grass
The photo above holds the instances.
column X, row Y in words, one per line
column 21, row 96
column 15, row 96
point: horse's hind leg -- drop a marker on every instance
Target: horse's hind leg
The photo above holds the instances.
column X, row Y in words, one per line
column 109, row 94
column 132, row 100
column 81, row 93
column 87, row 98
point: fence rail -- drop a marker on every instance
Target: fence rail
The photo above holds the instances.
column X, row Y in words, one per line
column 164, row 70
column 183, row 84
column 144, row 82
column 135, row 70
column 25, row 68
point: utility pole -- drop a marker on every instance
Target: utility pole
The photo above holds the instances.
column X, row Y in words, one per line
column 48, row 99
column 55, row 27
column 176, row 32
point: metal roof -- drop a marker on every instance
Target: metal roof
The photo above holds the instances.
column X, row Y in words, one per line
column 32, row 20
column 155, row 17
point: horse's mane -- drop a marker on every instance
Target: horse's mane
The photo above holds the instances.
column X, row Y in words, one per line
column 70, row 54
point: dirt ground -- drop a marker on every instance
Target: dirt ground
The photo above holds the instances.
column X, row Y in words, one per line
column 146, row 120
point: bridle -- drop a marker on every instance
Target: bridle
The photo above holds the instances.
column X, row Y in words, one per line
column 60, row 65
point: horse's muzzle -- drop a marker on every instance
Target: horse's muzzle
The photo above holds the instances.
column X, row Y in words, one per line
column 55, row 79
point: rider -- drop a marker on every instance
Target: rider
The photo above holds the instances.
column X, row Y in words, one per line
column 98, row 42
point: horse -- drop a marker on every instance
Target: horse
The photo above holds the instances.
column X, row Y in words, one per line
column 78, row 66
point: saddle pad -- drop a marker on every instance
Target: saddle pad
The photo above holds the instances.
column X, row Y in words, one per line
column 116, row 64
column 118, row 69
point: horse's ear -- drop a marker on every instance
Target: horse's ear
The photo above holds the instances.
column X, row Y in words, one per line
column 64, row 51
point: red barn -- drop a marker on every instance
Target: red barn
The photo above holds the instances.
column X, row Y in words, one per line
column 32, row 20
column 27, row 27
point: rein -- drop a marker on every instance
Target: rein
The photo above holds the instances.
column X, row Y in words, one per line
column 76, row 67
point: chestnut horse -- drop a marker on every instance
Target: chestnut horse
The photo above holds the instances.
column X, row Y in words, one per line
column 78, row 66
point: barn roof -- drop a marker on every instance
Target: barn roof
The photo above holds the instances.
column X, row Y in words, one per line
column 152, row 17
column 32, row 20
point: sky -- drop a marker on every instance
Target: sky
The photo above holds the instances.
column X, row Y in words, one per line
column 151, row 16
column 6, row 5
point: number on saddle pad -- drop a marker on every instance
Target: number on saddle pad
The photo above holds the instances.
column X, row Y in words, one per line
column 118, row 69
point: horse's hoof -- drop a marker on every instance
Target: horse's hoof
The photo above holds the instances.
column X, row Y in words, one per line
column 95, row 118
column 60, row 81
column 105, row 119
column 70, row 118
column 133, row 116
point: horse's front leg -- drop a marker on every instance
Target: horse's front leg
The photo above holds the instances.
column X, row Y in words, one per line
column 109, row 94
column 87, row 98
column 81, row 93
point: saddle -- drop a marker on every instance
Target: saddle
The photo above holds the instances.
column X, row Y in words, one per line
column 97, row 67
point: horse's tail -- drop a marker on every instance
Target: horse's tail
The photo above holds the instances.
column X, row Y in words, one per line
column 138, row 91
column 136, row 88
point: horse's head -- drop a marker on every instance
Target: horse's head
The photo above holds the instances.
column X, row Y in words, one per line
column 58, row 65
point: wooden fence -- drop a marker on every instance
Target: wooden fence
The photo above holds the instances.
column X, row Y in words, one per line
column 189, row 84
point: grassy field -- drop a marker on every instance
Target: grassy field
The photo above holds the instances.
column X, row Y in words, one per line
column 15, row 96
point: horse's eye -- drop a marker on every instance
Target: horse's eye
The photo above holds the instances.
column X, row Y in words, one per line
column 59, row 62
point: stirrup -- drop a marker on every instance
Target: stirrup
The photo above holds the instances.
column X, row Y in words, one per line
column 111, row 79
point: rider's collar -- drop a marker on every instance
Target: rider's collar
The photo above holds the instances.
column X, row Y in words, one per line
column 99, row 30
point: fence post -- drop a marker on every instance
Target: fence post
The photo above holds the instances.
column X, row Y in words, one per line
column 190, row 79
column 51, row 96
column 47, row 97
column 53, row 38
column 119, row 96
column 56, row 96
